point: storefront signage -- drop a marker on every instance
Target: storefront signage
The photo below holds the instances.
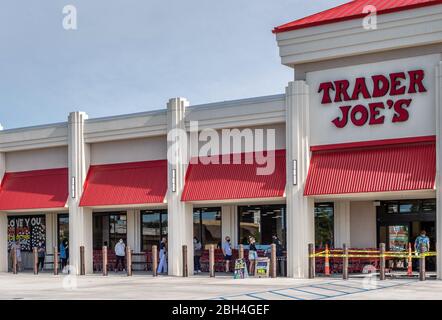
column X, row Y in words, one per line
column 389, row 99
column 240, row 269
column 398, row 87
column 262, row 266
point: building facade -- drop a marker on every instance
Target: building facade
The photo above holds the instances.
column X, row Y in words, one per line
column 353, row 147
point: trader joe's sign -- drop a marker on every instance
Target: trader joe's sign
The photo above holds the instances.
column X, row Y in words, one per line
column 387, row 96
column 28, row 231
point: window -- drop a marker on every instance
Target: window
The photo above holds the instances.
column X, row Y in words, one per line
column 403, row 207
column 153, row 228
column 28, row 231
column 62, row 227
column 207, row 225
column 429, row 206
column 324, row 224
column 109, row 228
column 262, row 222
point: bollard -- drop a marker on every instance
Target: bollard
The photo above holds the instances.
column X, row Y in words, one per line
column 104, row 252
column 382, row 261
column 241, row 252
column 129, row 261
column 212, row 260
column 185, row 267
column 422, row 275
column 35, row 253
column 311, row 261
column 273, row 261
column 82, row 267
column 154, row 260
column 345, row 262
column 55, row 261
column 14, row 261
column 327, row 261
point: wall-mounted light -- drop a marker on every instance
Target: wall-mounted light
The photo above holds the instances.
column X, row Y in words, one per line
column 173, row 180
column 73, row 187
column 295, row 172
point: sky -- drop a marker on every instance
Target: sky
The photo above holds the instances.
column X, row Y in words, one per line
column 134, row 55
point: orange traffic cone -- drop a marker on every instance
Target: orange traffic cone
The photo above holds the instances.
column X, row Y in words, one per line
column 327, row 261
column 410, row 262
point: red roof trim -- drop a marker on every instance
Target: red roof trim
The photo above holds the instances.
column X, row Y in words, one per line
column 114, row 184
column 216, row 182
column 35, row 189
column 298, row 24
column 387, row 168
column 373, row 143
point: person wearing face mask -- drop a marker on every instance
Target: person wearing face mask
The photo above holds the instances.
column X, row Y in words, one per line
column 227, row 252
column 197, row 252
column 162, row 266
column 120, row 253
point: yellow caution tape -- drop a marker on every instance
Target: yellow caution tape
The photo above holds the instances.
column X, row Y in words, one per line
column 393, row 255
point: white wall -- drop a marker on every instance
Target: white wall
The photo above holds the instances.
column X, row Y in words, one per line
column 363, row 224
column 248, row 145
column 131, row 150
column 48, row 158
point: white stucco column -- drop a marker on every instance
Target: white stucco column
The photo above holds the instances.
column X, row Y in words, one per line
column 51, row 231
column 300, row 209
column 228, row 225
column 180, row 215
column 131, row 228
column 80, row 219
column 342, row 223
column 438, row 169
column 3, row 225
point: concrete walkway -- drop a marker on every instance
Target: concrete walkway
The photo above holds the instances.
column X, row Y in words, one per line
column 119, row 286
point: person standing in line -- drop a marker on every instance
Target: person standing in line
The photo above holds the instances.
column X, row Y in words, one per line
column 253, row 255
column 162, row 266
column 63, row 254
column 279, row 253
column 41, row 254
column 17, row 248
column 421, row 245
column 120, row 254
column 197, row 252
column 227, row 252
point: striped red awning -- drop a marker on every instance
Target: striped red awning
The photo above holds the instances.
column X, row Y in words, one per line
column 354, row 10
column 37, row 189
column 206, row 182
column 391, row 166
column 125, row 184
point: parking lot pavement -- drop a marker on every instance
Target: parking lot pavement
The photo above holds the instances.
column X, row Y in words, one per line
column 119, row 286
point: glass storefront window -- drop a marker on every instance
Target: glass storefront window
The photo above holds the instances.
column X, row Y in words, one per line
column 207, row 225
column 62, row 227
column 28, row 231
column 153, row 228
column 429, row 206
column 409, row 207
column 109, row 228
column 262, row 222
column 324, row 224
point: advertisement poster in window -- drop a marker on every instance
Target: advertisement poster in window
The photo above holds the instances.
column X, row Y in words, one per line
column 398, row 237
column 29, row 231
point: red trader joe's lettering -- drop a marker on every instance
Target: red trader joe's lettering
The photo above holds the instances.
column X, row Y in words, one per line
column 395, row 84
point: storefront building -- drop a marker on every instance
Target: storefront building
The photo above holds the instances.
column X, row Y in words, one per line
column 356, row 154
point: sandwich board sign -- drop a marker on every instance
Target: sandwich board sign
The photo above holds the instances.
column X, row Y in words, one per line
column 262, row 266
column 240, row 269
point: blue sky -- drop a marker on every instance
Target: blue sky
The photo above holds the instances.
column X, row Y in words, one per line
column 133, row 55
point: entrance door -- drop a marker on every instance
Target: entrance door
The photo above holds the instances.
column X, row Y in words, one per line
column 109, row 228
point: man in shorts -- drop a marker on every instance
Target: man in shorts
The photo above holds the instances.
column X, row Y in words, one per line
column 227, row 252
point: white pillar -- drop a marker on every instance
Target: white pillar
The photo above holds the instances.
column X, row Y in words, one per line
column 3, row 225
column 51, row 231
column 300, row 209
column 180, row 215
column 228, row 226
column 131, row 228
column 342, row 223
column 438, row 170
column 80, row 219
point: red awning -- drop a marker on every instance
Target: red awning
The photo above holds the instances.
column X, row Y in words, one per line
column 38, row 189
column 391, row 166
column 234, row 181
column 125, row 184
column 354, row 10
